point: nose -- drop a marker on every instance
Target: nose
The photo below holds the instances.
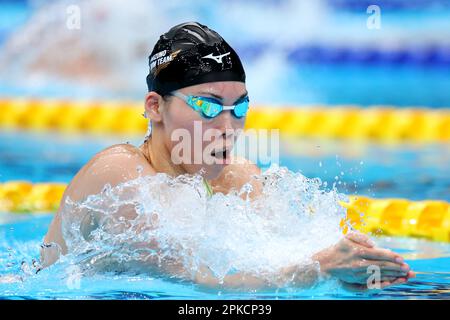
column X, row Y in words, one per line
column 225, row 124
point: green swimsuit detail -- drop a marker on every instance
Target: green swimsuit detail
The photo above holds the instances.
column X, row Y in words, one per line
column 209, row 190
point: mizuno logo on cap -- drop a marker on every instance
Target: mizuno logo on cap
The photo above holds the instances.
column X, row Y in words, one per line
column 217, row 59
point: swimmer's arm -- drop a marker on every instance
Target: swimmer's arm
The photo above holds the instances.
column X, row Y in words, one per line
column 304, row 276
column 112, row 166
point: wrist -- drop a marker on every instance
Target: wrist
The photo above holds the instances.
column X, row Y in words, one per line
column 322, row 258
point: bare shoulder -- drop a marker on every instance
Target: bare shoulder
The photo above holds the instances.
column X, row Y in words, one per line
column 113, row 165
column 236, row 174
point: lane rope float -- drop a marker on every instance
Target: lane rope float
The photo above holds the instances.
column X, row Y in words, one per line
column 378, row 123
column 428, row 219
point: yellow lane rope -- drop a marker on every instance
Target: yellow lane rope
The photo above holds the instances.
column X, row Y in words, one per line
column 24, row 196
column 382, row 123
column 429, row 219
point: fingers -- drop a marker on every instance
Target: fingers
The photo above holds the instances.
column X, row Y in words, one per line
column 395, row 274
column 362, row 286
column 389, row 266
column 360, row 238
column 384, row 273
column 370, row 251
column 385, row 284
column 355, row 287
column 382, row 277
column 386, row 266
column 391, row 283
column 382, row 255
column 383, row 281
column 390, row 279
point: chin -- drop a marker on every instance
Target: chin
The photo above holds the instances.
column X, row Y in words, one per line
column 213, row 171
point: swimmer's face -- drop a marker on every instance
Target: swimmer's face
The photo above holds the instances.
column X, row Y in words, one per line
column 211, row 140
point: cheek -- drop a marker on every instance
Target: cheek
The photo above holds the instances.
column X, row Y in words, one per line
column 184, row 131
column 175, row 118
column 239, row 124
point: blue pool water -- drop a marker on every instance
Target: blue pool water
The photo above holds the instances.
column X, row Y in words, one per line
column 47, row 157
column 420, row 171
column 20, row 243
column 301, row 67
column 311, row 61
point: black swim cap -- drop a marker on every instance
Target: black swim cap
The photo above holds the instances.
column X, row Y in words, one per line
column 190, row 54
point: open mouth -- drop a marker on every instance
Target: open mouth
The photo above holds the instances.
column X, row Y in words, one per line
column 221, row 154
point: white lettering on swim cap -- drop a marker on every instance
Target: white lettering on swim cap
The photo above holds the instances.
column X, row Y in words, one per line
column 161, row 59
column 158, row 55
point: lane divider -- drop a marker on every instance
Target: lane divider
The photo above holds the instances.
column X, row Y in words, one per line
column 27, row 197
column 382, row 124
column 428, row 219
column 377, row 123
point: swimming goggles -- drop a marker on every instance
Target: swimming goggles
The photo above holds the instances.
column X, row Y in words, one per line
column 210, row 108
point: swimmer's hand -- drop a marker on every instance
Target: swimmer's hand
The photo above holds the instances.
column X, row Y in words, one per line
column 296, row 276
column 350, row 259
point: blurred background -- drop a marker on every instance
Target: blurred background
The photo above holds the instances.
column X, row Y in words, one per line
column 296, row 53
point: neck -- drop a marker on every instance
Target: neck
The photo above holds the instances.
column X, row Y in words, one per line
column 159, row 157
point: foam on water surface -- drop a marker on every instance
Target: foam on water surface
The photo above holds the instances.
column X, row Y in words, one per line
column 173, row 219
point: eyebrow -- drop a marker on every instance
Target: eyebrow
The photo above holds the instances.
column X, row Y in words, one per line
column 218, row 97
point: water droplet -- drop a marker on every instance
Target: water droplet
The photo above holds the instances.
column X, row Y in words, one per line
column 222, row 233
column 106, row 188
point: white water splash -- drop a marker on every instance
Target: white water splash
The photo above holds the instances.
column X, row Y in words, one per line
column 292, row 219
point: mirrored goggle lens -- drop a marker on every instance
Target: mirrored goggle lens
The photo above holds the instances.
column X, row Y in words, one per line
column 212, row 109
column 240, row 110
column 207, row 108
